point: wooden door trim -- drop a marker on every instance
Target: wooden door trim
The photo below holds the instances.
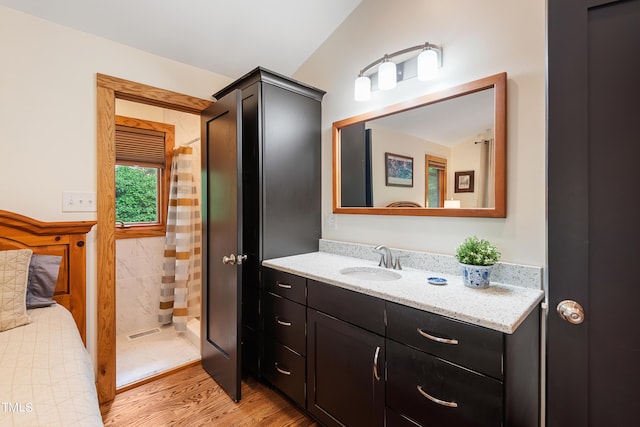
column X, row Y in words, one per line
column 108, row 90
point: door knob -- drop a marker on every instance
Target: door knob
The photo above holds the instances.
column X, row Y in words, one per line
column 234, row 259
column 231, row 259
column 571, row 311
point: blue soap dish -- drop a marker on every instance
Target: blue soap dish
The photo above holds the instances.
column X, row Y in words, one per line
column 437, row 280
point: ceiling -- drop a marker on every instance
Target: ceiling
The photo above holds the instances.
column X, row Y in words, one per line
column 228, row 37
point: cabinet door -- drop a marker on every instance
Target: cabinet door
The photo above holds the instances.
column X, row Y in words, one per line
column 221, row 226
column 345, row 372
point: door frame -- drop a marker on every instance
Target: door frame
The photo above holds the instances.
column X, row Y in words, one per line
column 108, row 90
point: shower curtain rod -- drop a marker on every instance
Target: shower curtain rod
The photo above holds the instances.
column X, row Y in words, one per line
column 192, row 141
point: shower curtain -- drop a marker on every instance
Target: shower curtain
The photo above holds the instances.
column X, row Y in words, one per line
column 181, row 276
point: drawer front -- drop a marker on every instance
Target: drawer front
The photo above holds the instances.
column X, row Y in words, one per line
column 285, row 284
column 471, row 346
column 394, row 419
column 433, row 392
column 359, row 309
column 285, row 321
column 286, row 370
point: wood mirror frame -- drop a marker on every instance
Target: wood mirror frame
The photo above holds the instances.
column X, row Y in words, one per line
column 497, row 82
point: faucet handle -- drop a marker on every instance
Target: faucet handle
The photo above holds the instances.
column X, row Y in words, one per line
column 383, row 258
column 396, row 264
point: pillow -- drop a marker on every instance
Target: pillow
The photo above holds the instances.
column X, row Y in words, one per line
column 43, row 276
column 14, row 270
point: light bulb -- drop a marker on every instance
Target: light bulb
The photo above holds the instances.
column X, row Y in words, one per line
column 387, row 75
column 427, row 64
column 362, row 89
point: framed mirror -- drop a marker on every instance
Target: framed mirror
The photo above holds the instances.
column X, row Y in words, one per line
column 442, row 154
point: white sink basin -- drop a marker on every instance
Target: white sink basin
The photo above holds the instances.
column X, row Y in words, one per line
column 370, row 273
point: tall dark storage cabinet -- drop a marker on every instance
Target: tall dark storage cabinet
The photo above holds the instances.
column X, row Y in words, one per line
column 277, row 134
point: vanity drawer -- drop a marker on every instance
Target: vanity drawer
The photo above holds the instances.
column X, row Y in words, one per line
column 285, row 284
column 285, row 321
column 465, row 397
column 286, row 370
column 471, row 346
column 358, row 309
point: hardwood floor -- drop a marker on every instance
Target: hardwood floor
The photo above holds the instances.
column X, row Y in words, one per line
column 190, row 397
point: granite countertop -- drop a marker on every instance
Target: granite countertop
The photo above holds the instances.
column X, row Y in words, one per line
column 500, row 307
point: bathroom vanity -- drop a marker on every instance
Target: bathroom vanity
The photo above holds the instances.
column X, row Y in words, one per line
column 394, row 350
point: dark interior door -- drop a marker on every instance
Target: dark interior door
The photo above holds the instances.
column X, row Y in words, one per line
column 594, row 228
column 222, row 238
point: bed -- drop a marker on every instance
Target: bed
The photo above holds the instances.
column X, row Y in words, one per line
column 46, row 374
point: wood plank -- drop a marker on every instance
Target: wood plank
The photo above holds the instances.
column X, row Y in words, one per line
column 191, row 397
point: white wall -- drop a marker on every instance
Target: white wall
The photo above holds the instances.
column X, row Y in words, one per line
column 48, row 115
column 480, row 38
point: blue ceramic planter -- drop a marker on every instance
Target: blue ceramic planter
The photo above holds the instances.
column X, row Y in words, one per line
column 476, row 276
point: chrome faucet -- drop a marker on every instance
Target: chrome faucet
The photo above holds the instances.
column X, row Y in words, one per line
column 386, row 259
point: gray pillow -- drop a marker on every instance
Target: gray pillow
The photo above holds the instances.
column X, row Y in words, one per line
column 43, row 275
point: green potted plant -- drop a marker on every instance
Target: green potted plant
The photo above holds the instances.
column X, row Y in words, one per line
column 476, row 257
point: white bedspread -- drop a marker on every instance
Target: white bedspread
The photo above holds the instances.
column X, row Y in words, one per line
column 46, row 375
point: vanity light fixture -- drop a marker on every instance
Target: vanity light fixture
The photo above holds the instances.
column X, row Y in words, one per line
column 424, row 66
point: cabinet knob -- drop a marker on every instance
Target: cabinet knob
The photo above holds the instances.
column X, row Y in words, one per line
column 282, row 371
column 436, row 400
column 282, row 322
column 375, row 364
column 437, row 339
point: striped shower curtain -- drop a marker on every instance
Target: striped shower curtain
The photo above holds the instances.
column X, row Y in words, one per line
column 181, row 276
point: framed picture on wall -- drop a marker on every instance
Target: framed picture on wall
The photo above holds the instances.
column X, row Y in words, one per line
column 398, row 170
column 464, row 182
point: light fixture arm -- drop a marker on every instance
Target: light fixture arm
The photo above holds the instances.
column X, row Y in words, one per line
column 386, row 57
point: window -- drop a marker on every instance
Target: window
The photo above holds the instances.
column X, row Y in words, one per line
column 436, row 185
column 143, row 163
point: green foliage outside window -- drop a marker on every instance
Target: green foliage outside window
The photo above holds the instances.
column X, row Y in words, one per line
column 136, row 194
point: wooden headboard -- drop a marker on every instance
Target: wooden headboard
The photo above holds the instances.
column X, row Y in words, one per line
column 66, row 239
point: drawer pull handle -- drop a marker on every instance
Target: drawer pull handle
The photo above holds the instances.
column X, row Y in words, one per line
column 282, row 371
column 282, row 322
column 438, row 401
column 437, row 339
column 284, row 285
column 375, row 364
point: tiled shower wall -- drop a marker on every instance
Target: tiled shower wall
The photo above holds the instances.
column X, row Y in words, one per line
column 138, row 277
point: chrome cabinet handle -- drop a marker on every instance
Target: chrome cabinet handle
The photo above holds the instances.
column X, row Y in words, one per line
column 282, row 322
column 437, row 339
column 375, row 364
column 233, row 259
column 435, row 400
column 284, row 285
column 282, row 371
column 571, row 311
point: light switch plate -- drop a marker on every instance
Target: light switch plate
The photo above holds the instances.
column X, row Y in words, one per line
column 75, row 201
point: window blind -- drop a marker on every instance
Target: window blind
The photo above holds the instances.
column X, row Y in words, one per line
column 140, row 147
column 432, row 163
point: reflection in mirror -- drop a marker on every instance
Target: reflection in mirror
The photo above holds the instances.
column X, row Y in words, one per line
column 441, row 154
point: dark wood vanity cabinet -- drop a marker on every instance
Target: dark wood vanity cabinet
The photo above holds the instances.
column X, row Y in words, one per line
column 284, row 320
column 371, row 362
column 443, row 372
column 277, row 125
column 345, row 356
